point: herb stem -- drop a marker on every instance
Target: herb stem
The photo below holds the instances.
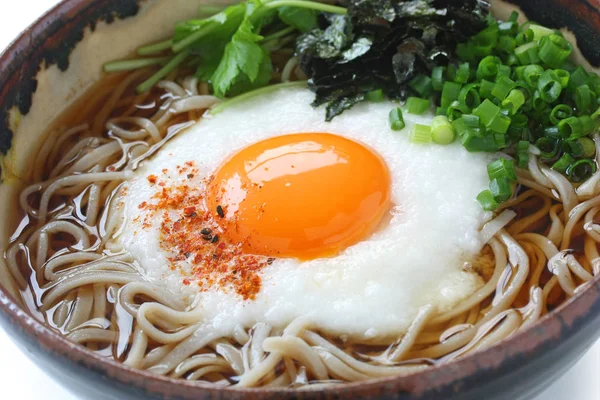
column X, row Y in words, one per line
column 276, row 45
column 164, row 71
column 312, row 5
column 267, row 89
column 154, row 48
column 129, row 65
column 278, row 34
column 189, row 40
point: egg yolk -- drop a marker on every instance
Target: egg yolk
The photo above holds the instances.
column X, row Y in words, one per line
column 304, row 195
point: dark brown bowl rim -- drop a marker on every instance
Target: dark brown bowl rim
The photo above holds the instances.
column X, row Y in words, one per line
column 557, row 325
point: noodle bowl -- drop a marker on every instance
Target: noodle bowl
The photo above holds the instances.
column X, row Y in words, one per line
column 74, row 276
column 63, row 259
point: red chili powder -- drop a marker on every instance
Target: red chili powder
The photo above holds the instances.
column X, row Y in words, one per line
column 190, row 234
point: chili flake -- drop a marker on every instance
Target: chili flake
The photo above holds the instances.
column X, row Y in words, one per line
column 194, row 240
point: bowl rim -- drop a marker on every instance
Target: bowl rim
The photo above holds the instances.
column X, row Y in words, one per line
column 559, row 325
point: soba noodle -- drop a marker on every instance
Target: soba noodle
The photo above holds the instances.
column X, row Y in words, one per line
column 73, row 275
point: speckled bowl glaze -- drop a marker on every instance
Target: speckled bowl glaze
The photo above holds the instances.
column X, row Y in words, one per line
column 59, row 56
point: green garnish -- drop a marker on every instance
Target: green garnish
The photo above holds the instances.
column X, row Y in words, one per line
column 396, row 119
column 442, row 131
column 420, row 134
column 507, row 88
column 230, row 47
column 417, row 105
column 375, row 96
column 487, row 201
column 529, row 94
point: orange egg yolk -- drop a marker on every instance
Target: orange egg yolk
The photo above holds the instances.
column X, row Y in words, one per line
column 302, row 195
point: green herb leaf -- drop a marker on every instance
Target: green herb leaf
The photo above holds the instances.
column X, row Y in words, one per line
column 300, row 18
column 211, row 47
column 245, row 64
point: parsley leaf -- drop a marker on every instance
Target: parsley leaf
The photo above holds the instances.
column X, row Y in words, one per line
column 245, row 65
column 300, row 18
column 211, row 47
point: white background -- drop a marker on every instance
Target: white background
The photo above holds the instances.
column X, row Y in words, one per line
column 20, row 378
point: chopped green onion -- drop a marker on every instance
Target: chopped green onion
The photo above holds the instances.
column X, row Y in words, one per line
column 583, row 98
column 548, row 147
column 487, row 201
column 500, row 123
column 396, row 119
column 437, row 78
column 531, row 74
column 375, row 96
column 596, row 115
column 514, row 101
column 469, row 95
column 474, row 140
column 420, row 134
column 503, row 70
column 500, row 140
column 538, row 103
column 552, row 132
column 519, row 120
column 589, row 147
column 523, row 153
column 563, row 163
column 527, row 53
column 554, row 50
column 563, row 77
column 488, row 68
column 471, row 121
column 581, row 170
column 462, row 73
column 503, row 87
column 572, row 147
column 578, row 78
column 524, row 37
column 442, row 131
column 417, row 105
column 128, row 65
column 501, row 189
column 485, row 89
column 485, row 41
column 487, row 112
column 422, row 85
column 456, row 110
column 570, row 128
column 506, row 45
column 502, row 168
column 450, row 92
column 540, row 31
column 560, row 112
column 587, row 124
column 511, row 60
column 549, row 87
column 519, row 72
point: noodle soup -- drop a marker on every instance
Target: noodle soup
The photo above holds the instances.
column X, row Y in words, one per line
column 103, row 207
